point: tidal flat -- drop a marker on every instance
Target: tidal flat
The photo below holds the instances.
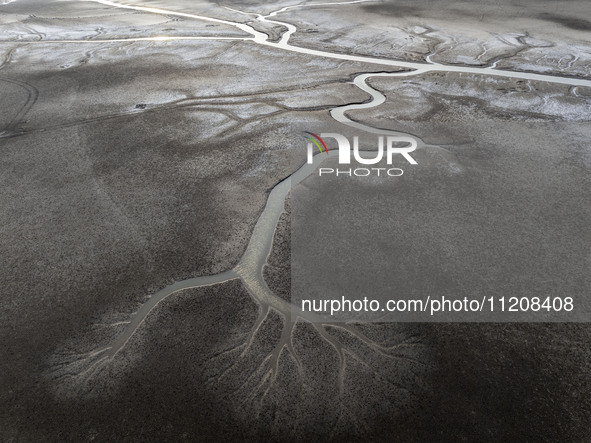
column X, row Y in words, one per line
column 142, row 143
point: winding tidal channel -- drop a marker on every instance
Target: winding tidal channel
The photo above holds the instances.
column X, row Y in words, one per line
column 250, row 268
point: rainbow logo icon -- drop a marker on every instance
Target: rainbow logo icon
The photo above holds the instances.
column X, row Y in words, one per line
column 318, row 139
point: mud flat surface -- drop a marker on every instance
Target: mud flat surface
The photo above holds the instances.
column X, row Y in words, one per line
column 141, row 142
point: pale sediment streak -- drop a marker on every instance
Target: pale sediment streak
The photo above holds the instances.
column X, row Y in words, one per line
column 130, row 39
column 246, row 28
